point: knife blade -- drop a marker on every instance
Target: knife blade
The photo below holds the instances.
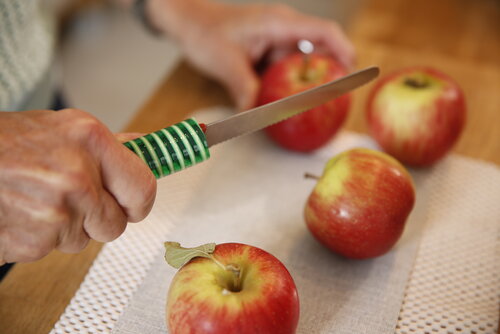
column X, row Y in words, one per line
column 184, row 144
column 274, row 112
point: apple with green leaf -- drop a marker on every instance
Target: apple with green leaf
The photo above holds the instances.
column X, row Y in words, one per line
column 416, row 114
column 360, row 204
column 293, row 74
column 229, row 288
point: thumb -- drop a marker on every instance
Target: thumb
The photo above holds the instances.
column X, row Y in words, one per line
column 232, row 68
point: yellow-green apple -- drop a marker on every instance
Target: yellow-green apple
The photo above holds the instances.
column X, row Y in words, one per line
column 236, row 288
column 295, row 73
column 360, row 204
column 416, row 114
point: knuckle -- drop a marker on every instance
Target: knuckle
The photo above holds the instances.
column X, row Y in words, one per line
column 77, row 114
column 92, row 128
column 86, row 125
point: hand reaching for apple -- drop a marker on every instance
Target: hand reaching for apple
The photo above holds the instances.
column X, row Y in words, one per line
column 225, row 40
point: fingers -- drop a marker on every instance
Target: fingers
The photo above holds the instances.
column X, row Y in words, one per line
column 29, row 229
column 63, row 211
column 334, row 39
column 278, row 31
column 237, row 74
column 107, row 221
column 129, row 180
column 293, row 26
column 233, row 68
column 95, row 212
column 226, row 41
column 126, row 177
column 100, row 219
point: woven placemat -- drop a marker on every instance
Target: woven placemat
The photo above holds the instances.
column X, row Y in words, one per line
column 454, row 283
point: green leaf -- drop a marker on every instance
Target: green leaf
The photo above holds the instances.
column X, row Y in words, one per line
column 177, row 256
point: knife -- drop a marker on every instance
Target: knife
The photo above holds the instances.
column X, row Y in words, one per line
column 185, row 144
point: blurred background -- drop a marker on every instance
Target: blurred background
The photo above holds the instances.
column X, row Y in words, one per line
column 110, row 65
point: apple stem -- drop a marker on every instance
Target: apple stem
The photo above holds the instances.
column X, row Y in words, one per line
column 235, row 269
column 311, row 176
column 416, row 82
column 306, row 60
column 217, row 262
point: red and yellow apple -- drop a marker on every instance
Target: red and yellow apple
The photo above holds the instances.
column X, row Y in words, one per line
column 360, row 204
column 313, row 128
column 416, row 114
column 237, row 289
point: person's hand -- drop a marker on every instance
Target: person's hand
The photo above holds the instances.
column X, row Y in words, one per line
column 225, row 41
column 65, row 179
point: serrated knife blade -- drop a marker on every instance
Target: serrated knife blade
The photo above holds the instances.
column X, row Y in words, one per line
column 186, row 143
column 258, row 118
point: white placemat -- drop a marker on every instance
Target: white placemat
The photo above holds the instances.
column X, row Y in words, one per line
column 253, row 192
column 455, row 283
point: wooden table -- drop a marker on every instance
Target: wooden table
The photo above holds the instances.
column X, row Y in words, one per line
column 460, row 37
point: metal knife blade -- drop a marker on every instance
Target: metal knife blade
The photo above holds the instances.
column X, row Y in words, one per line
column 185, row 144
column 274, row 112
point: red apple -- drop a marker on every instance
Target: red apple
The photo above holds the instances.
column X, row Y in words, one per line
column 360, row 204
column 237, row 289
column 293, row 74
column 416, row 114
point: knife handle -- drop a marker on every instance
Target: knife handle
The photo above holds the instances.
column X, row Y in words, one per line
column 172, row 149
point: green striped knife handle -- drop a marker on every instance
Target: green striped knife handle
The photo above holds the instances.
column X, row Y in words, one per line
column 172, row 149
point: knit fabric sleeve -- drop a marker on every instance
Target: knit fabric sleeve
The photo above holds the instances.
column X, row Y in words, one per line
column 27, row 41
